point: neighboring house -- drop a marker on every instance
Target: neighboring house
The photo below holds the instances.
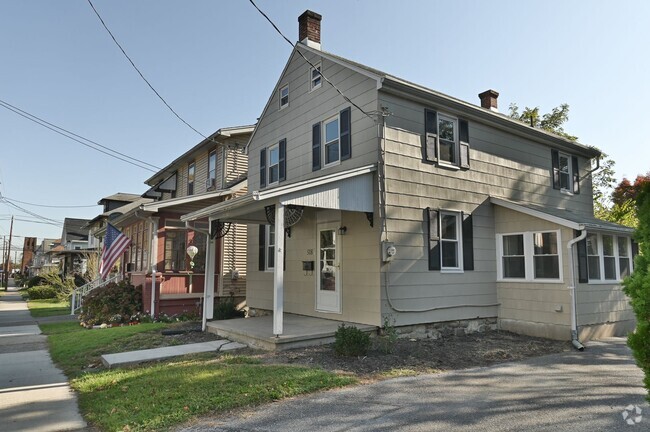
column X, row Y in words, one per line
column 421, row 208
column 113, row 206
column 74, row 249
column 212, row 171
column 43, row 261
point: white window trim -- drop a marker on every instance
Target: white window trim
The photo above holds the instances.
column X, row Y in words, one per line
column 529, row 257
column 601, row 259
column 441, row 162
column 268, row 168
column 569, row 159
column 280, row 96
column 208, row 180
column 459, row 240
column 336, row 117
column 267, row 245
column 313, row 87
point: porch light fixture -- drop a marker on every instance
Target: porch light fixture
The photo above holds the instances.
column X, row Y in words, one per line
column 191, row 252
column 343, row 230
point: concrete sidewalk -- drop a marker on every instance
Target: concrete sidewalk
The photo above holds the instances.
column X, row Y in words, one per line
column 34, row 394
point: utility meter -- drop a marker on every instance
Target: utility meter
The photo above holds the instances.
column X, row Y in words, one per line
column 388, row 251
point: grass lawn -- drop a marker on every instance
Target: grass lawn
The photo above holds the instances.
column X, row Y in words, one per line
column 48, row 307
column 158, row 395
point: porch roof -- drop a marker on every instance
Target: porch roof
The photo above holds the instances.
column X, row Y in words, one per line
column 564, row 217
column 350, row 190
column 192, row 203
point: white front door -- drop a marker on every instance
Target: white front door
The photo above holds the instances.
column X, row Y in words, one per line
column 328, row 270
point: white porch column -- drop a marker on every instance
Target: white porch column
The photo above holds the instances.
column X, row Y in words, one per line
column 278, row 273
column 154, row 262
column 208, row 288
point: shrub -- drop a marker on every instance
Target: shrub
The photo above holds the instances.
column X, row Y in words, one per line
column 114, row 303
column 350, row 341
column 226, row 309
column 63, row 286
column 388, row 337
column 34, row 281
column 41, row 292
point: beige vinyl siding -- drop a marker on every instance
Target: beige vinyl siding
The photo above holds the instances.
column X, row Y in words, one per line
column 234, row 259
column 200, row 172
column 307, row 108
column 236, row 165
column 360, row 288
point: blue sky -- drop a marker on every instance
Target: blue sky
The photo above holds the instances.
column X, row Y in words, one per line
column 216, row 63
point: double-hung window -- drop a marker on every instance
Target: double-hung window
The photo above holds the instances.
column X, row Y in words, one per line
column 284, row 97
column 565, row 172
column 315, row 79
column 450, row 240
column 332, row 149
column 191, row 169
column 608, row 257
column 274, row 164
column 529, row 256
column 447, row 139
column 212, row 170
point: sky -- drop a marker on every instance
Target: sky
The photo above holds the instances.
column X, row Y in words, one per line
column 216, row 63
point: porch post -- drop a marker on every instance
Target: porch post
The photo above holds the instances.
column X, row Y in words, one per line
column 208, row 288
column 154, row 263
column 278, row 273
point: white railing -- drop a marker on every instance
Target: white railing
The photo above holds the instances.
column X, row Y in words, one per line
column 78, row 294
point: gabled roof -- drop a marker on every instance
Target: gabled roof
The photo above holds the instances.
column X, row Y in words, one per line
column 120, row 196
column 390, row 82
column 222, row 133
column 564, row 217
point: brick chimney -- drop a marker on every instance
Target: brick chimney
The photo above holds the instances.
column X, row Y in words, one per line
column 489, row 100
column 309, row 29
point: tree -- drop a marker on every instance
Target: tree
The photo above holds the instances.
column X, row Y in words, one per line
column 637, row 286
column 603, row 180
column 622, row 201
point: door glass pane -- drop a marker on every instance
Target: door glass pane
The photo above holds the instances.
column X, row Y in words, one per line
column 327, row 260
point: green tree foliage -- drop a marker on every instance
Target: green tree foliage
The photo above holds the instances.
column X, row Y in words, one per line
column 637, row 286
column 622, row 202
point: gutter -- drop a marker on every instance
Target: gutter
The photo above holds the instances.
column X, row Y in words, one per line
column 572, row 290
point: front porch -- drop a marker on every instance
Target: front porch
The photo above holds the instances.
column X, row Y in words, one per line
column 299, row 331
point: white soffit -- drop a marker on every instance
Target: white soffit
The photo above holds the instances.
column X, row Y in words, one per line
column 351, row 194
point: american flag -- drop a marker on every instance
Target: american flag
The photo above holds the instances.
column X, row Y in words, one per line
column 114, row 245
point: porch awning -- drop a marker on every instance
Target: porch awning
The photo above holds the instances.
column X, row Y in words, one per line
column 192, row 203
column 563, row 217
column 350, row 190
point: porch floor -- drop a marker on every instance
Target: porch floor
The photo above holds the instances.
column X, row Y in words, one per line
column 299, row 331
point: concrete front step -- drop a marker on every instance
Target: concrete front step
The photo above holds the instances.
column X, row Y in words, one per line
column 134, row 357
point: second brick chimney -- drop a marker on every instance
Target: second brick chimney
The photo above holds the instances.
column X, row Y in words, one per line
column 489, row 99
column 309, row 29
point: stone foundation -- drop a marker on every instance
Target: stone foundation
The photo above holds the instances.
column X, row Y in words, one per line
column 447, row 328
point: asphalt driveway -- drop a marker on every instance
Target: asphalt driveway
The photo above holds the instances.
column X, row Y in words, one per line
column 574, row 391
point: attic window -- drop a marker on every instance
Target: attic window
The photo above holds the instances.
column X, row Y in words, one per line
column 284, row 97
column 315, row 77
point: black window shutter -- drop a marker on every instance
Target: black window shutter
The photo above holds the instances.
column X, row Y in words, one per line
column 345, row 134
column 262, row 248
column 430, row 136
column 263, row 167
column 555, row 160
column 635, row 249
column 583, row 262
column 282, row 168
column 433, row 238
column 576, row 175
column 315, row 147
column 463, row 127
column 468, row 242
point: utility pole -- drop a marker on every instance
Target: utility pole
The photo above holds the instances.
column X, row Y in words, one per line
column 11, row 231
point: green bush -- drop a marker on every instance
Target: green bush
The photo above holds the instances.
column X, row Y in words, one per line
column 34, row 281
column 63, row 286
column 226, row 309
column 637, row 287
column 41, row 292
column 387, row 339
column 350, row 341
column 115, row 303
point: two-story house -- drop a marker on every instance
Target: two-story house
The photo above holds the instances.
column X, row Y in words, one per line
column 210, row 172
column 372, row 197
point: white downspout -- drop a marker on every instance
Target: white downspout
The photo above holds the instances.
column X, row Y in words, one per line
column 572, row 291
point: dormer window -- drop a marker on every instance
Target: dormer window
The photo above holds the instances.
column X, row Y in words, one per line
column 284, row 97
column 315, row 77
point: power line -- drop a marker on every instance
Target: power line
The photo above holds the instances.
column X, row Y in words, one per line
column 140, row 73
column 76, row 137
column 36, row 215
column 51, row 206
column 347, row 99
